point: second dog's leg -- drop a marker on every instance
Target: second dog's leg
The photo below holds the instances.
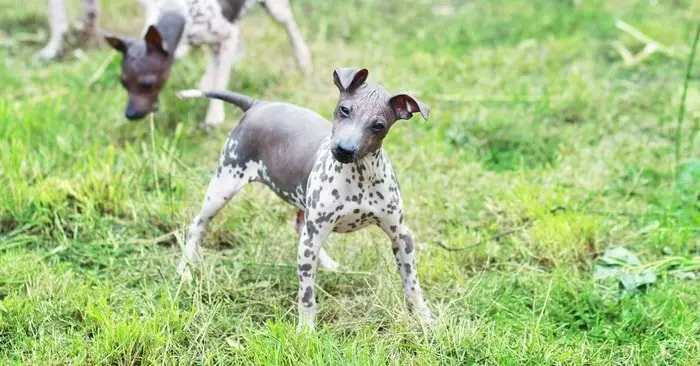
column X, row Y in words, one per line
column 58, row 25
column 207, row 80
column 225, row 55
column 91, row 11
column 282, row 13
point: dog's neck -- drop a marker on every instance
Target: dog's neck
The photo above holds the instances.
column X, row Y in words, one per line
column 171, row 25
column 371, row 164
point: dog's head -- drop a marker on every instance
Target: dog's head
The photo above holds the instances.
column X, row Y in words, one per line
column 365, row 113
column 145, row 68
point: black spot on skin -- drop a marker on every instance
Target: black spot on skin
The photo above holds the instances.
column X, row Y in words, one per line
column 352, row 169
column 307, row 253
column 339, row 207
column 311, row 229
column 392, row 228
column 359, row 185
column 338, row 168
column 394, row 250
column 371, row 194
column 357, row 210
column 409, row 242
column 348, row 180
column 381, row 196
column 324, row 217
column 401, row 219
column 335, row 194
column 330, row 180
column 305, row 267
column 407, row 268
column 200, row 222
column 308, row 295
column 316, row 194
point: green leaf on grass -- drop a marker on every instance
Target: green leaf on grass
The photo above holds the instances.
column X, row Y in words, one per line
column 620, row 256
column 641, row 280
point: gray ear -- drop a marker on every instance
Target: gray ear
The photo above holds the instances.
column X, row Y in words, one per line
column 154, row 38
column 118, row 43
column 405, row 105
column 348, row 79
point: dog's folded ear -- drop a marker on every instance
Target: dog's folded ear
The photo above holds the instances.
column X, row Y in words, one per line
column 154, row 39
column 118, row 43
column 405, row 105
column 348, row 79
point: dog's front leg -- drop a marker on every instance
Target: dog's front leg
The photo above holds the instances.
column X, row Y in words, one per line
column 312, row 237
column 225, row 55
column 405, row 255
column 58, row 26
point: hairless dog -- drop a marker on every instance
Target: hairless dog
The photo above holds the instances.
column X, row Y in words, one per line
column 338, row 175
column 175, row 24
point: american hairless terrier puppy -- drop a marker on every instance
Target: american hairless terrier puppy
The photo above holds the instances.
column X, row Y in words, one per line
column 176, row 23
column 58, row 26
column 338, row 175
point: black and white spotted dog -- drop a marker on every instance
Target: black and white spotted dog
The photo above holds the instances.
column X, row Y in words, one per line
column 338, row 175
column 176, row 24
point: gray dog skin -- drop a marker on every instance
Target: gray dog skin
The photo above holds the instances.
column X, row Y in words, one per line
column 338, row 175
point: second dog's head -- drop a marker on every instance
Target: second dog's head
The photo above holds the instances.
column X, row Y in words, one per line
column 365, row 113
column 145, row 68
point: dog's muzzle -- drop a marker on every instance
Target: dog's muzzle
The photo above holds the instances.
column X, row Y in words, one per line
column 344, row 153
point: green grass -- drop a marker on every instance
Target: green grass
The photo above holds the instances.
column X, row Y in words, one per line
column 535, row 126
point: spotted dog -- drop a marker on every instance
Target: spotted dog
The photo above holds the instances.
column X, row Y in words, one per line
column 338, row 175
column 176, row 24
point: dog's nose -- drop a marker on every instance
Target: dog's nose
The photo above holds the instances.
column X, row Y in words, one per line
column 132, row 114
column 344, row 152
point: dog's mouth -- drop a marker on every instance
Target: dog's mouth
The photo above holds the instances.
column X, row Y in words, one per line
column 343, row 158
column 134, row 114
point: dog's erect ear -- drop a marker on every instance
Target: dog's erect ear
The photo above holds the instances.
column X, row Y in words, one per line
column 154, row 38
column 405, row 105
column 118, row 43
column 348, row 79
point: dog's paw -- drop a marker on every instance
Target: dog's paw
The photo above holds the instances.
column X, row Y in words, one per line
column 47, row 53
column 427, row 318
column 183, row 270
column 303, row 58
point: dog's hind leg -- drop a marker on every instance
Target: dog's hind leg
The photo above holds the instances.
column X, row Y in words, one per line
column 220, row 66
column 226, row 182
column 281, row 12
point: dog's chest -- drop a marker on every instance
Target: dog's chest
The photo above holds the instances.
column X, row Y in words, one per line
column 352, row 196
column 209, row 21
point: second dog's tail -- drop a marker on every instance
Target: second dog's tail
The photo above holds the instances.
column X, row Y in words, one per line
column 243, row 102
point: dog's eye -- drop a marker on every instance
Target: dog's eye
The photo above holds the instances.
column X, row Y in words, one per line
column 377, row 127
column 344, row 111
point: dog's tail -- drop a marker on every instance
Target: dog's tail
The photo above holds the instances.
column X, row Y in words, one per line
column 242, row 101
